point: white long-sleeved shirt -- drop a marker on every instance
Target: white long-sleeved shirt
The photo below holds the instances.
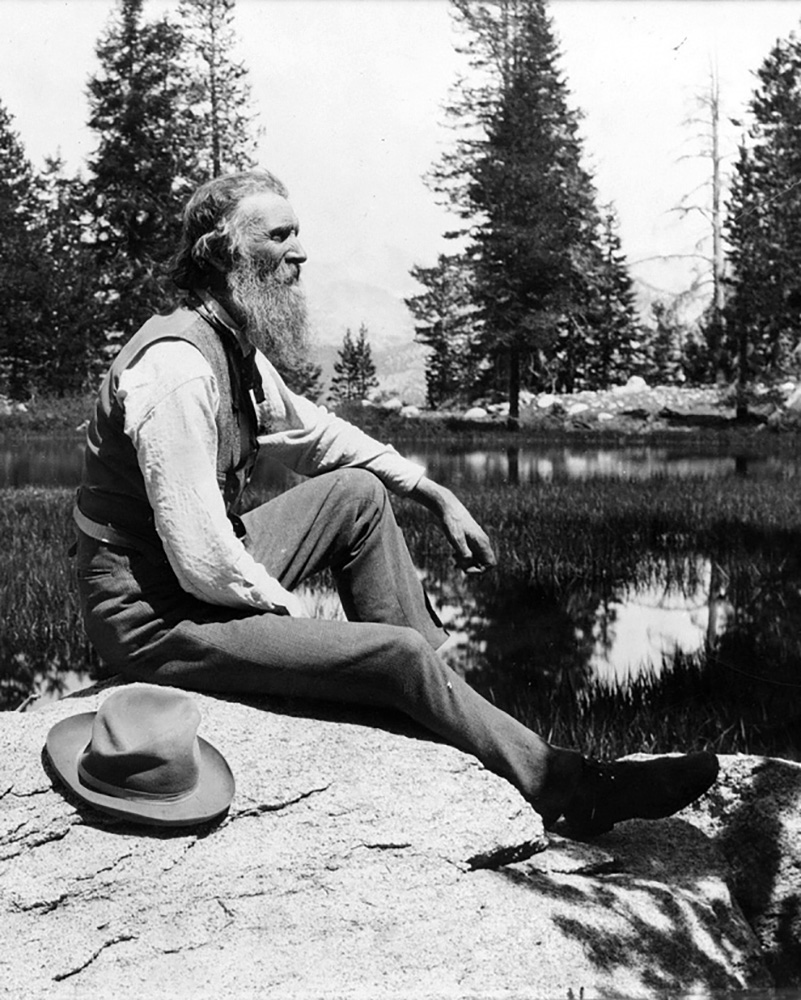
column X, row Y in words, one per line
column 170, row 399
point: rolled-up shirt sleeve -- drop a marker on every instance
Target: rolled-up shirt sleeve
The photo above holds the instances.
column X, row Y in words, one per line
column 309, row 439
column 170, row 399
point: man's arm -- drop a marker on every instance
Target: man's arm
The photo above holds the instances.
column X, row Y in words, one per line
column 471, row 546
column 310, row 439
column 170, row 399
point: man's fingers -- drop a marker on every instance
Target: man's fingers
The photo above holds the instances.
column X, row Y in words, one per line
column 475, row 554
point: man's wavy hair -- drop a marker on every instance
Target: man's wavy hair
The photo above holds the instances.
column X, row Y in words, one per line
column 208, row 234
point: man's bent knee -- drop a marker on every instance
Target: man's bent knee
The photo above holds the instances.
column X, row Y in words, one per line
column 410, row 665
column 361, row 485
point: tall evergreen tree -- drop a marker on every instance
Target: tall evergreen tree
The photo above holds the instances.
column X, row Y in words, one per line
column 145, row 162
column 354, row 370
column 763, row 228
column 443, row 317
column 613, row 325
column 220, row 94
column 515, row 176
column 72, row 318
column 22, row 265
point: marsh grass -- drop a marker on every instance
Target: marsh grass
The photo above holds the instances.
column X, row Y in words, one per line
column 42, row 642
column 561, row 549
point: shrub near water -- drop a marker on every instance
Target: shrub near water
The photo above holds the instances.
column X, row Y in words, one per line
column 51, row 414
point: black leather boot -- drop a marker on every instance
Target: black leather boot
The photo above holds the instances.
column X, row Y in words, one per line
column 609, row 792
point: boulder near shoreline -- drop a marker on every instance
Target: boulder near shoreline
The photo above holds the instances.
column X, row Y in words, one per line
column 360, row 859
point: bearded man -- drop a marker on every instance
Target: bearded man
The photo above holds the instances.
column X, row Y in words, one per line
column 178, row 588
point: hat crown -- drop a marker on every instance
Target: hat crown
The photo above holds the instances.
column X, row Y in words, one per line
column 144, row 744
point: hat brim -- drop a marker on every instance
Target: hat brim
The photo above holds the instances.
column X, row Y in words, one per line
column 67, row 740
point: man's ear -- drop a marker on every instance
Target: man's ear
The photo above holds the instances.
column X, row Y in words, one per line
column 217, row 263
column 213, row 251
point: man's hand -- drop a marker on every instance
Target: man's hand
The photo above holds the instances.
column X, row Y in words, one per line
column 472, row 548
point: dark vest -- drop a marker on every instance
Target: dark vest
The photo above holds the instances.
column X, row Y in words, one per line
column 113, row 490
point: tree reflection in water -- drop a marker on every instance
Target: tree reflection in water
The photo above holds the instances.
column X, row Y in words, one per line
column 699, row 646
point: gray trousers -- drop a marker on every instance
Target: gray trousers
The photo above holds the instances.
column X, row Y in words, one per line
column 146, row 627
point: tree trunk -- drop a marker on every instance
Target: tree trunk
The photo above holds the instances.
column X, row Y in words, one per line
column 513, row 420
column 741, row 412
column 513, row 465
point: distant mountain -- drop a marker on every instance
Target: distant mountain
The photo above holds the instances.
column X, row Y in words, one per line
column 338, row 301
column 400, row 369
column 402, row 372
column 690, row 303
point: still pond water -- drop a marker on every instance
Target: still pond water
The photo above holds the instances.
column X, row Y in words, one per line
column 57, row 462
column 637, row 627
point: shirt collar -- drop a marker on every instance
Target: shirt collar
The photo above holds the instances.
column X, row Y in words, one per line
column 218, row 313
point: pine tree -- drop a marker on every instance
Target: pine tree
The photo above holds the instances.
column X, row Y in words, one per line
column 666, row 345
column 443, row 317
column 72, row 318
column 613, row 326
column 220, row 94
column 22, row 265
column 304, row 378
column 763, row 228
column 354, row 371
column 145, row 163
column 515, row 176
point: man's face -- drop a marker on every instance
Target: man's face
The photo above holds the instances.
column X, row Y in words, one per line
column 269, row 230
column 263, row 290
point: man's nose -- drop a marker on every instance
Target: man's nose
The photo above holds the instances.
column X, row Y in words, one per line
column 295, row 253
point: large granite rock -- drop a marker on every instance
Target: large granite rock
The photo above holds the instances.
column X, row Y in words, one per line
column 753, row 814
column 355, row 862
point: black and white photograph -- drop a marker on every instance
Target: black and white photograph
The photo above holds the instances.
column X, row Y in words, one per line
column 400, row 448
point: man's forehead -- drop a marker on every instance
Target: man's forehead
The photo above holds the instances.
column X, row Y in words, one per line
column 268, row 206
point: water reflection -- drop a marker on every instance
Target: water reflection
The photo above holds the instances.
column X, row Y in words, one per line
column 545, row 463
column 41, row 461
column 644, row 625
column 57, row 461
column 534, row 644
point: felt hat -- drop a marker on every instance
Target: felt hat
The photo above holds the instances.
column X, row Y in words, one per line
column 139, row 757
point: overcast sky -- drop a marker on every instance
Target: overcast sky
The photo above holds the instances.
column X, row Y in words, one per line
column 350, row 93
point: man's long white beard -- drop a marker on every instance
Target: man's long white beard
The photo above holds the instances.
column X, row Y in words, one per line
column 272, row 308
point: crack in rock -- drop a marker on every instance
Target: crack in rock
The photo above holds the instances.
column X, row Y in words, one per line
column 108, row 868
column 385, row 846
column 28, row 841
column 264, row 807
column 60, row 976
column 498, row 857
column 9, row 838
column 43, row 905
column 181, row 857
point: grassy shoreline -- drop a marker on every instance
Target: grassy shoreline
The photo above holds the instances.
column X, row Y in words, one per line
column 67, row 416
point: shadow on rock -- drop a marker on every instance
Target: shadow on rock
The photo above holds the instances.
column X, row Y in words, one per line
column 650, row 898
column 755, row 814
